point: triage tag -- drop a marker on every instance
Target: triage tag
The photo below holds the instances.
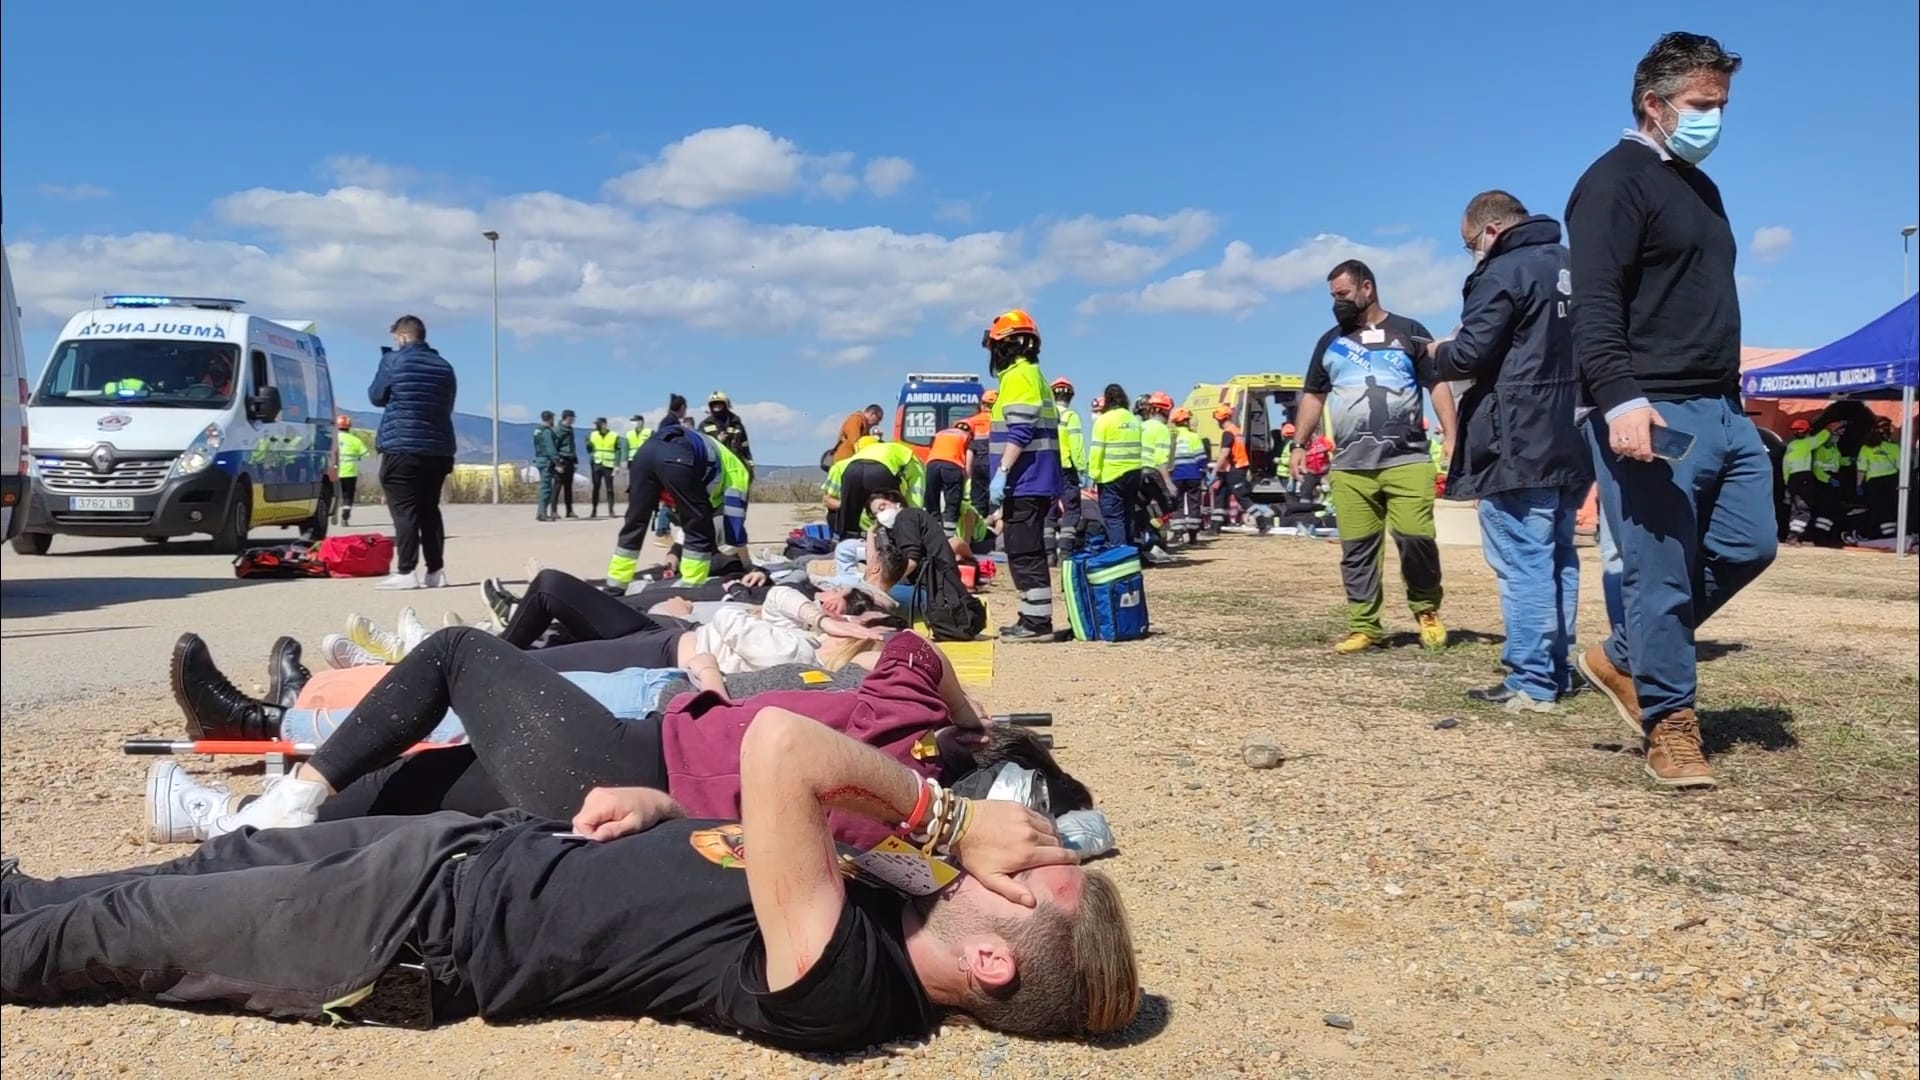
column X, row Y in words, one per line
column 815, row 678
column 899, row 865
column 926, row 747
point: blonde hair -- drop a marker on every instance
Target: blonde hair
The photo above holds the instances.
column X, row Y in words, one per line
column 836, row 653
column 1078, row 974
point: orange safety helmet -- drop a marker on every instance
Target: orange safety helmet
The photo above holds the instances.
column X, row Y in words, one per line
column 1160, row 399
column 1223, row 413
column 1058, row 385
column 989, row 397
column 1800, row 426
column 1287, row 430
column 343, row 422
column 1011, row 323
column 1180, row 416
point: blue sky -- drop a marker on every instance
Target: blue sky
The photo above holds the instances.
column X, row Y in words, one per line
column 800, row 203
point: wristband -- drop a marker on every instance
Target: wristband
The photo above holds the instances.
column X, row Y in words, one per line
column 918, row 816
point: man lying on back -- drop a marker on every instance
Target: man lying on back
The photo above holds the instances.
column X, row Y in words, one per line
column 646, row 914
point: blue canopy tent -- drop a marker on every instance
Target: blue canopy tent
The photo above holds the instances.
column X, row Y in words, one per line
column 1880, row 361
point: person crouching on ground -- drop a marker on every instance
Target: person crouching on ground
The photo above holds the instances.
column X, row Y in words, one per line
column 1519, row 450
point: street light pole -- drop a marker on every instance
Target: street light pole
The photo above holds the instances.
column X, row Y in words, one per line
column 1906, row 235
column 493, row 241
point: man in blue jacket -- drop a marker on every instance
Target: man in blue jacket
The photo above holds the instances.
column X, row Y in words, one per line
column 416, row 387
column 1515, row 446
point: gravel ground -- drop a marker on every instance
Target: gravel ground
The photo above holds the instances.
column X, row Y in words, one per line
column 1491, row 897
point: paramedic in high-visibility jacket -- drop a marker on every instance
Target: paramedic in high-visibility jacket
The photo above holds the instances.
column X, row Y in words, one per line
column 1063, row 520
column 707, row 486
column 1025, row 453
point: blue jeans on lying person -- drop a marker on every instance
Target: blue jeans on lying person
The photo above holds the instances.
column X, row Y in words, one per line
column 628, row 695
column 1527, row 534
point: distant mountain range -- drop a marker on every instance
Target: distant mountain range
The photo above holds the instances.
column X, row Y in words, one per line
column 474, row 435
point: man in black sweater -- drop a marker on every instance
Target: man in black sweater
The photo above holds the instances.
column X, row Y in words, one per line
column 1656, row 328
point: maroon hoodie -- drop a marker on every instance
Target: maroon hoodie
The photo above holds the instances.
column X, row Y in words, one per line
column 898, row 703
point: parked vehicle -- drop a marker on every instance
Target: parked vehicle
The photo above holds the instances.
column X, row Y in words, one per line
column 165, row 416
column 930, row 402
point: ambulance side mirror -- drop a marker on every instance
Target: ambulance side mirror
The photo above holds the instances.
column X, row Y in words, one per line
column 264, row 406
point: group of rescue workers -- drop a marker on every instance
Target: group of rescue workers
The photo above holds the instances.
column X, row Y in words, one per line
column 1836, row 492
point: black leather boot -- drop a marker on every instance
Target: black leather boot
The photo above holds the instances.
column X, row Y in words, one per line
column 214, row 707
column 286, row 675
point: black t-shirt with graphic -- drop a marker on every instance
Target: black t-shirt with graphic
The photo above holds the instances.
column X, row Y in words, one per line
column 660, row 924
column 1373, row 382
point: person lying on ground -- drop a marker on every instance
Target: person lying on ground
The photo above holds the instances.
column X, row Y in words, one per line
column 545, row 741
column 637, row 911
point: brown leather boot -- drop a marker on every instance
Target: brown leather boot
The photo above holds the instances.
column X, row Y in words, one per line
column 1617, row 685
column 1675, row 756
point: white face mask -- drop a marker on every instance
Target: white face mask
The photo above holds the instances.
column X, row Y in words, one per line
column 887, row 517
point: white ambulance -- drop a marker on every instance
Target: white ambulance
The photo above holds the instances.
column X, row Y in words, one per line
column 165, row 416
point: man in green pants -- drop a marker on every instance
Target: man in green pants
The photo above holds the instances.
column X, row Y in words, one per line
column 1367, row 376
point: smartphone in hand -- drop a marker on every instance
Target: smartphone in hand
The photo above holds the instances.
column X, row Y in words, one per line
column 1670, row 444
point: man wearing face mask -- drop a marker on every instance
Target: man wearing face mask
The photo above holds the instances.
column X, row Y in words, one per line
column 724, row 424
column 1367, row 375
column 1656, row 330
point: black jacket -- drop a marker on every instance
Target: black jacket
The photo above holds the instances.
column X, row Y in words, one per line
column 921, row 538
column 1515, row 343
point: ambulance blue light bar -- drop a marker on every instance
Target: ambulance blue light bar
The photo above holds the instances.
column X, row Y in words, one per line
column 209, row 303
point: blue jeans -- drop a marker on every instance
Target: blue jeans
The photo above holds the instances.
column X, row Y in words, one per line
column 1692, row 533
column 628, row 695
column 1610, row 569
column 1118, row 510
column 1527, row 535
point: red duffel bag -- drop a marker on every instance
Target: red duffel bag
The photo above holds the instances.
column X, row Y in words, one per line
column 357, row 554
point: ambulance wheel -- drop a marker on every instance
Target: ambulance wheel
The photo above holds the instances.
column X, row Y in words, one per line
column 232, row 537
column 33, row 543
column 314, row 529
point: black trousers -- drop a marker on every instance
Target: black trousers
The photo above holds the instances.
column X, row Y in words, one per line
column 413, row 483
column 1024, row 528
column 946, row 493
column 980, row 477
column 545, row 741
column 278, row 922
column 1063, row 517
column 348, row 487
column 1883, row 503
column 563, row 469
column 857, row 483
column 602, row 474
column 667, row 465
column 584, row 611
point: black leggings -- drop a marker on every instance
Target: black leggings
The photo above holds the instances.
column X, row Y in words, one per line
column 582, row 610
column 543, row 740
column 859, row 481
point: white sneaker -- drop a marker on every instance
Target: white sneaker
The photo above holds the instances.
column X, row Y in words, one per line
column 451, row 619
column 412, row 630
column 180, row 810
column 343, row 654
column 436, row 579
column 397, row 581
column 288, row 803
column 374, row 638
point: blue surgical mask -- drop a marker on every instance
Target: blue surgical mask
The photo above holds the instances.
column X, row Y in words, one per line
column 1694, row 134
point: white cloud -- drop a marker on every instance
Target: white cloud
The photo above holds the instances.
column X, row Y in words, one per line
column 847, row 357
column 74, row 192
column 887, row 175
column 517, row 414
column 1090, row 248
column 358, row 170
column 574, row 269
column 773, row 418
column 1770, row 242
column 957, row 211
column 718, row 165
column 1413, row 278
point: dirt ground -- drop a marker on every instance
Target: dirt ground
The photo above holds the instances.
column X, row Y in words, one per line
column 1494, row 897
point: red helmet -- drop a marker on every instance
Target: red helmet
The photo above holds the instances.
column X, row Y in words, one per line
column 1060, row 386
column 1800, row 426
column 1160, row 399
